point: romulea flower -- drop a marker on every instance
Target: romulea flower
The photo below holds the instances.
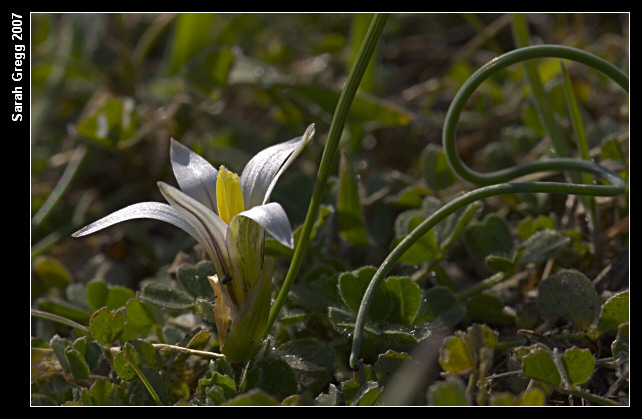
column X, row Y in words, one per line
column 228, row 215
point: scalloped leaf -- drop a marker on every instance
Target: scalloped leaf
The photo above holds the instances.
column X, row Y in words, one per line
column 106, row 325
column 571, row 295
column 614, row 312
column 352, row 286
column 539, row 365
column 406, row 298
column 579, row 364
column 489, row 237
column 193, row 279
column 167, row 297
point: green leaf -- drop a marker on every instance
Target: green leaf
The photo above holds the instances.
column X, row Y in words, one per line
column 422, row 250
column 529, row 225
column 118, row 296
column 106, row 325
column 155, row 383
column 352, row 286
column 77, row 364
column 138, row 315
column 539, row 365
column 304, row 399
column 51, row 272
column 123, row 366
column 314, row 352
column 620, row 346
column 367, row 395
column 349, row 212
column 409, row 197
column 312, row 361
column 439, row 306
column 193, row 279
column 273, row 375
column 96, row 294
column 349, row 390
column 343, row 321
column 488, row 308
column 388, row 364
column 139, row 320
column 455, row 355
column 147, row 352
column 100, row 391
column 217, row 386
column 59, row 345
column 316, row 295
column 406, row 298
column 364, row 107
column 579, row 364
column 254, row 397
column 533, row 397
column 435, row 168
column 543, row 245
column 500, row 264
column 164, row 296
column 615, row 312
column 481, row 336
column 90, row 350
column 427, row 247
column 451, row 392
column 570, row 295
column 190, row 37
column 331, row 398
column 490, row 236
column 401, row 336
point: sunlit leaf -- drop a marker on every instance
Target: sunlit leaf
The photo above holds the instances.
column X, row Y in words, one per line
column 106, row 325
column 579, row 364
column 615, row 312
column 539, row 365
column 451, row 392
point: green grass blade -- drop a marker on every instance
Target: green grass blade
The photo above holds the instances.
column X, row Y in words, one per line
column 328, row 157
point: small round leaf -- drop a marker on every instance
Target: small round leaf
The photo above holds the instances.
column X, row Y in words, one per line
column 579, row 364
column 570, row 295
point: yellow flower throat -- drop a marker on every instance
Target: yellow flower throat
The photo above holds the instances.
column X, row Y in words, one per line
column 229, row 196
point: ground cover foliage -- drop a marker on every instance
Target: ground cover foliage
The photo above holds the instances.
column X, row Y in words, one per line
column 516, row 299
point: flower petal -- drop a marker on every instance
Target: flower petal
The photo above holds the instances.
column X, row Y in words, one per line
column 211, row 231
column 194, row 174
column 265, row 168
column 273, row 219
column 153, row 210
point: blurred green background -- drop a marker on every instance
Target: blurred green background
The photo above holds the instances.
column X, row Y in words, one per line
column 110, row 90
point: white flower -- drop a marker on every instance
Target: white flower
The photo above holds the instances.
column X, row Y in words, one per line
column 228, row 215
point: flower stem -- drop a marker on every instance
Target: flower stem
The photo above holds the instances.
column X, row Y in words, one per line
column 494, row 183
column 329, row 154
